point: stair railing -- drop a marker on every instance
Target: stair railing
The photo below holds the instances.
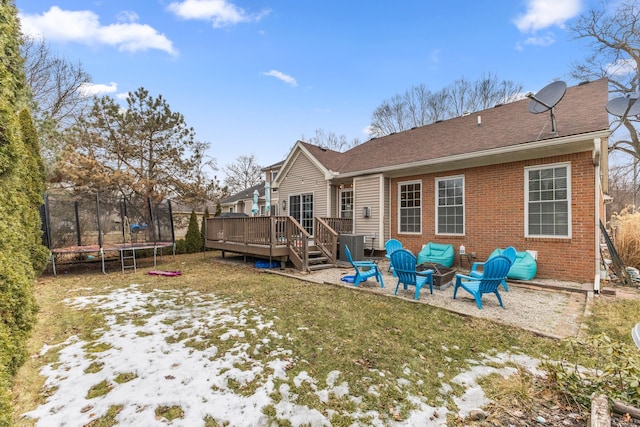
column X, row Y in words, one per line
column 326, row 239
column 298, row 243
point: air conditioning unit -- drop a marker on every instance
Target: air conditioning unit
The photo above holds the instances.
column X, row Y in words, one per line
column 355, row 242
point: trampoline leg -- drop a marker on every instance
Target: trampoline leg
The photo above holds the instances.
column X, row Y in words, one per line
column 102, row 256
column 53, row 264
column 155, row 252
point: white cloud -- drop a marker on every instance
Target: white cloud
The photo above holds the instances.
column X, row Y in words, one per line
column 84, row 27
column 546, row 40
column 220, row 12
column 546, row 13
column 622, row 67
column 281, row 76
column 434, row 55
column 91, row 89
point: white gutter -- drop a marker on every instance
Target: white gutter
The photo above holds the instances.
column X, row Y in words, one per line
column 598, row 190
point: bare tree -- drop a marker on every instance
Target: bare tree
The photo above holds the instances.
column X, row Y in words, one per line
column 54, row 82
column 613, row 36
column 438, row 106
column 243, row 174
column 57, row 101
column 489, row 92
column 331, row 140
column 622, row 187
column 460, row 96
column 418, row 106
column 389, row 117
column 203, row 187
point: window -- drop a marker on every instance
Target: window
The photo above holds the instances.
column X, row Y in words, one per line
column 450, row 205
column 301, row 208
column 346, row 204
column 410, row 207
column 547, row 201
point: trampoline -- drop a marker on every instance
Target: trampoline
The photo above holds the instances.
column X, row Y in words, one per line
column 97, row 224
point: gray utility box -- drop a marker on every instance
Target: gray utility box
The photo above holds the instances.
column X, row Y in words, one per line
column 356, row 246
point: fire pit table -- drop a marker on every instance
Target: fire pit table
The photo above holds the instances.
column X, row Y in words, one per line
column 442, row 276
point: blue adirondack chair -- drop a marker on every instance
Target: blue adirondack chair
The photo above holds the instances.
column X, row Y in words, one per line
column 495, row 270
column 635, row 334
column 509, row 252
column 404, row 266
column 391, row 246
column 364, row 269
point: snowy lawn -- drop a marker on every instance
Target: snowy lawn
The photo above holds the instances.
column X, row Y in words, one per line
column 311, row 355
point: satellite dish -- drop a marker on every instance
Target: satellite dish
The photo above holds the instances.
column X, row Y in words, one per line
column 624, row 106
column 547, row 98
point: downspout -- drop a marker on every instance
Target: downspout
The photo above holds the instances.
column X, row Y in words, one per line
column 596, row 226
column 383, row 214
column 329, row 199
column 391, row 212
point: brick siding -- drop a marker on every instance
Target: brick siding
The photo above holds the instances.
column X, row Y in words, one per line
column 494, row 216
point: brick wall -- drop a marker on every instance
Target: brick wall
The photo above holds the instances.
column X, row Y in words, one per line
column 494, row 216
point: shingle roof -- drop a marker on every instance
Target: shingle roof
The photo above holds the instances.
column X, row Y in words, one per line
column 329, row 158
column 245, row 194
column 582, row 110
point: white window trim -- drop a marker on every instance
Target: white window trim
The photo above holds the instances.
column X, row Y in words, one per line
column 526, row 200
column 343, row 190
column 400, row 184
column 464, row 206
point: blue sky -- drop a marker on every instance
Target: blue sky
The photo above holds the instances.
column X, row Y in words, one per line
column 252, row 77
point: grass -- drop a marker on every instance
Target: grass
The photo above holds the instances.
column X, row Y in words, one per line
column 372, row 341
column 614, row 317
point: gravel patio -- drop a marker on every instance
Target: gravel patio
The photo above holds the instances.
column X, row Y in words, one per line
column 545, row 307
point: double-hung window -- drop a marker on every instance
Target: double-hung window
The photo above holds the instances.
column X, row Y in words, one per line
column 450, row 205
column 548, row 203
column 410, row 207
column 346, row 203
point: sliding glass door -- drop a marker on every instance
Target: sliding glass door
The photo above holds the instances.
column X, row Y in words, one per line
column 301, row 208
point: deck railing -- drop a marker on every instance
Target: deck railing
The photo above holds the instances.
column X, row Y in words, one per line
column 269, row 231
column 340, row 225
column 261, row 230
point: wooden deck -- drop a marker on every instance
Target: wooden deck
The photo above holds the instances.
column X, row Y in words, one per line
column 278, row 238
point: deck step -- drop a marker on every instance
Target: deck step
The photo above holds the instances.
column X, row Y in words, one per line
column 317, row 267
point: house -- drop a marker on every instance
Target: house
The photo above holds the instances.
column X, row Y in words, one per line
column 242, row 201
column 181, row 212
column 494, row 178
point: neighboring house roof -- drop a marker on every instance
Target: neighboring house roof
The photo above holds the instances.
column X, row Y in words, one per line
column 277, row 165
column 233, row 215
column 244, row 194
column 581, row 111
column 181, row 207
